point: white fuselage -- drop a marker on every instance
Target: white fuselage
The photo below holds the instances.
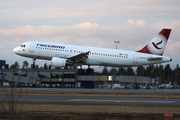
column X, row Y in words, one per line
column 97, row 56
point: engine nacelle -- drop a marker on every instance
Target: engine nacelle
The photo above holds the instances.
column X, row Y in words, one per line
column 60, row 62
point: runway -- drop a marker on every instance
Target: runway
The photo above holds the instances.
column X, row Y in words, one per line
column 95, row 99
column 175, row 91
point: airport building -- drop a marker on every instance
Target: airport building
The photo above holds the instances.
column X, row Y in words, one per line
column 3, row 64
column 64, row 78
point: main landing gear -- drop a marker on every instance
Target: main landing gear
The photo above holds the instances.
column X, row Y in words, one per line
column 33, row 65
column 81, row 71
column 89, row 70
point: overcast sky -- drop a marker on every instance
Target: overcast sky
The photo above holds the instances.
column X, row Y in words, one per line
column 88, row 22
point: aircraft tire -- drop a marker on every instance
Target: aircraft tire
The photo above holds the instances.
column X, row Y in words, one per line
column 89, row 70
column 81, row 71
column 32, row 66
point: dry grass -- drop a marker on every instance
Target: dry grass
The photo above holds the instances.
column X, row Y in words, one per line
column 102, row 111
column 82, row 107
column 97, row 111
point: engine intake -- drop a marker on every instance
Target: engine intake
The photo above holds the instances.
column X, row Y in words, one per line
column 61, row 62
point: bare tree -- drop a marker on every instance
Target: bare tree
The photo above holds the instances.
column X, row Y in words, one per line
column 10, row 106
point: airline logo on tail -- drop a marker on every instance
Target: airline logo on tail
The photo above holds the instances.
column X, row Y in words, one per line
column 157, row 44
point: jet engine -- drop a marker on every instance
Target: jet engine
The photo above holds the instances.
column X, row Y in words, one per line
column 61, row 62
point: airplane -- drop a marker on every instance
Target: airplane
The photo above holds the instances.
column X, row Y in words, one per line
column 62, row 55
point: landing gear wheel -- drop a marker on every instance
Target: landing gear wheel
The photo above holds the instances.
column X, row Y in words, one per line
column 81, row 71
column 89, row 70
column 33, row 66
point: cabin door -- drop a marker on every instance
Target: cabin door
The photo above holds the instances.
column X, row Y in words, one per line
column 135, row 58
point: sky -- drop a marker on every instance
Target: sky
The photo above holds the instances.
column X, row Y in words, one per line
column 96, row 23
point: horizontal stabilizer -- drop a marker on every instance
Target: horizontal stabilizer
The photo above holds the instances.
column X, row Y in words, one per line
column 154, row 58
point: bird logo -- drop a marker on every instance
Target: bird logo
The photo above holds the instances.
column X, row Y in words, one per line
column 156, row 45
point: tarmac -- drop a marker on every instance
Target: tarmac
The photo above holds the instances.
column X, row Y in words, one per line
column 174, row 91
column 98, row 99
column 95, row 99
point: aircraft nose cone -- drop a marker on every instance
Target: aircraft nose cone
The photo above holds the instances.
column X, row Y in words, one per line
column 15, row 50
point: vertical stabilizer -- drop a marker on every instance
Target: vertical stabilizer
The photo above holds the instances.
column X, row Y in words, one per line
column 157, row 44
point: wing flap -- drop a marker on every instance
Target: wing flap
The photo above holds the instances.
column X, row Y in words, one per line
column 79, row 57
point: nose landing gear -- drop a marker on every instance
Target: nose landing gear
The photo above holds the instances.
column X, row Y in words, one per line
column 33, row 65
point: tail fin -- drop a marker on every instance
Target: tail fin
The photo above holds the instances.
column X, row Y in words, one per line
column 157, row 44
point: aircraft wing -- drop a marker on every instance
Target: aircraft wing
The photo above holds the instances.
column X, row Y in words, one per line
column 155, row 58
column 82, row 57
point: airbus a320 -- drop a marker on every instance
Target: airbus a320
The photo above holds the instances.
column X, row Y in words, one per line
column 62, row 55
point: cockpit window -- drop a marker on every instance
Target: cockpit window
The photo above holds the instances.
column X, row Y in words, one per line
column 23, row 45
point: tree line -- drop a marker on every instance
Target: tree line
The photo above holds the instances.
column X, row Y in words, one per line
column 164, row 73
column 26, row 65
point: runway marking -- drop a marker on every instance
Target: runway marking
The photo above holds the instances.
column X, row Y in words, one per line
column 129, row 101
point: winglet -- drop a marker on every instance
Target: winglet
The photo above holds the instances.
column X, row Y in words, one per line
column 87, row 53
column 157, row 44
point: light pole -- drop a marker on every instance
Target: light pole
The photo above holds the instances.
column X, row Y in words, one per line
column 117, row 42
column 135, row 74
